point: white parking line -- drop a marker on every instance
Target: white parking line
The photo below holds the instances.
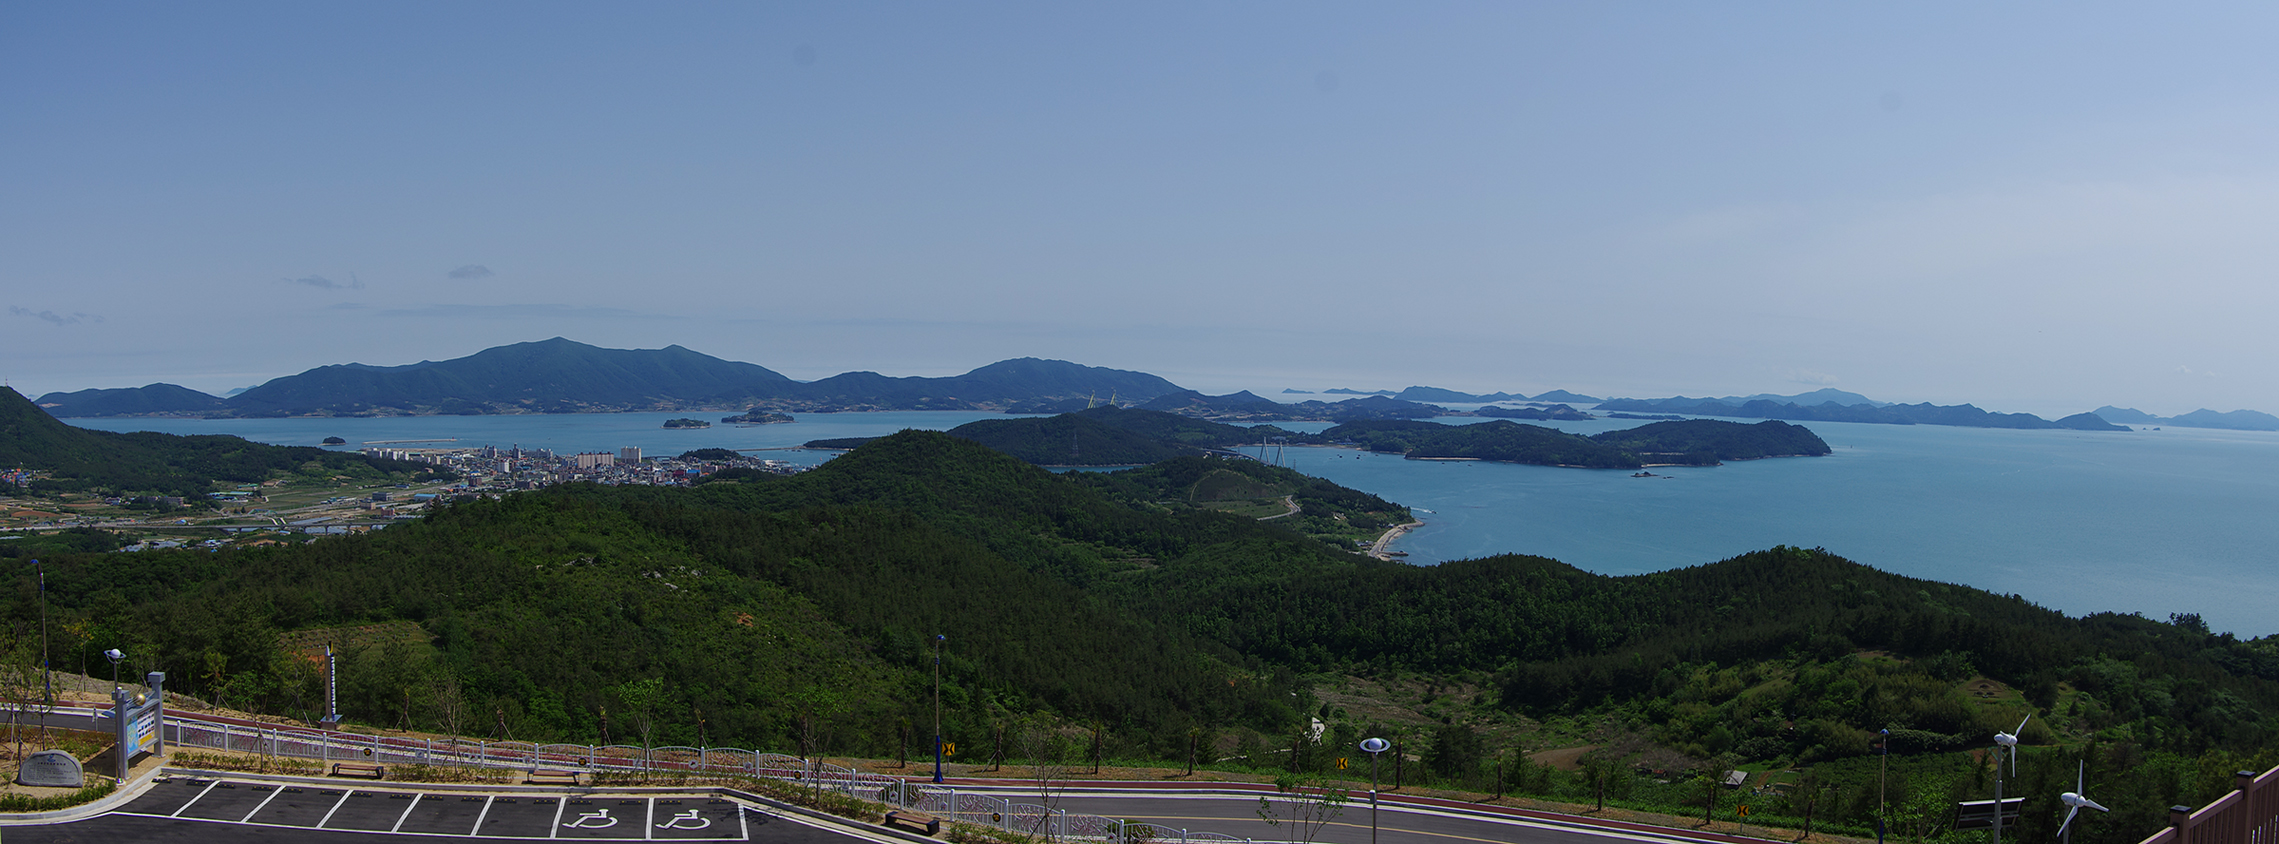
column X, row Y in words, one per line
column 193, row 800
column 407, row 812
column 554, row 830
column 485, row 813
column 335, row 808
column 273, row 792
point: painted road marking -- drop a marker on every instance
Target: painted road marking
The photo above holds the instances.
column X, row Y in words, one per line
column 335, row 808
column 407, row 812
column 273, row 792
column 201, row 793
column 253, row 803
column 486, row 812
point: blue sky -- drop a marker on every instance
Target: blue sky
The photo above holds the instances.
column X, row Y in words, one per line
column 2030, row 206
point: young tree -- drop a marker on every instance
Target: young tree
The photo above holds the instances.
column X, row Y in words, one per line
column 819, row 705
column 1600, row 769
column 1048, row 749
column 1301, row 805
column 450, row 704
column 639, row 700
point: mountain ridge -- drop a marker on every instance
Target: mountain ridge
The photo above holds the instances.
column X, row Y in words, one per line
column 564, row 376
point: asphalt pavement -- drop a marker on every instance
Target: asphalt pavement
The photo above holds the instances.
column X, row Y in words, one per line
column 238, row 811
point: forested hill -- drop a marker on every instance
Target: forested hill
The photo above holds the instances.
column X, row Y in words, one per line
column 1069, row 439
column 797, row 613
column 151, row 464
column 1110, row 436
column 1694, row 442
column 1105, row 435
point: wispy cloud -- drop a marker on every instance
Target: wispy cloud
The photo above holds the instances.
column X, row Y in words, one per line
column 472, row 271
column 321, row 282
column 1812, row 377
column 53, row 317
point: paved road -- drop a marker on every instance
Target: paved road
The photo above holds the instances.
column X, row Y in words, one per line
column 1397, row 823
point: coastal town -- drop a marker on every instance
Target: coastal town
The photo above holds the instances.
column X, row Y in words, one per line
column 282, row 509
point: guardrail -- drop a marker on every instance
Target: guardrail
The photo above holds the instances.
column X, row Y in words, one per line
column 2248, row 815
column 949, row 804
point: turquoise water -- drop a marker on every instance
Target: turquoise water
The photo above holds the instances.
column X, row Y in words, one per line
column 2149, row 521
column 2156, row 522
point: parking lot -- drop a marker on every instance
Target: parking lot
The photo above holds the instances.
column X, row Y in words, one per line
column 515, row 816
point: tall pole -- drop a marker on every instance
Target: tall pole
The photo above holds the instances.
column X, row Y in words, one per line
column 47, row 674
column 1374, row 746
column 938, row 639
column 1883, row 763
column 1998, row 794
column 1372, row 798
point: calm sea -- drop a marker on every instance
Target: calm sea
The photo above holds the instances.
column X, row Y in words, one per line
column 2177, row 520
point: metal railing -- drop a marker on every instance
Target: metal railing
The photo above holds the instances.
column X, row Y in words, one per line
column 949, row 804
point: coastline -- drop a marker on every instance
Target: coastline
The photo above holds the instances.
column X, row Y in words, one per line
column 1385, row 540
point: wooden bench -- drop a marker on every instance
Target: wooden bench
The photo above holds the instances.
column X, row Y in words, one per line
column 359, row 769
column 915, row 820
column 569, row 778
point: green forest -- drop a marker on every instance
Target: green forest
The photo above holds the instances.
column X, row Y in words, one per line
column 799, row 614
column 1690, row 442
column 1113, row 436
column 75, row 460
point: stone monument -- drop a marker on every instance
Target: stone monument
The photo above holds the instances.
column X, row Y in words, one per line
column 51, row 768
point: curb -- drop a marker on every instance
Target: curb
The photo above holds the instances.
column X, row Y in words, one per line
column 124, row 794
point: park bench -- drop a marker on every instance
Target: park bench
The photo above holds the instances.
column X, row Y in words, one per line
column 542, row 777
column 359, row 769
column 915, row 820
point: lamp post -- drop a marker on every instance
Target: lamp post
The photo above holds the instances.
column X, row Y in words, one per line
column 116, row 657
column 47, row 674
column 938, row 640
column 1373, row 746
column 1883, row 763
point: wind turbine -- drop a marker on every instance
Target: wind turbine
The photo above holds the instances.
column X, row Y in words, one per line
column 2005, row 740
column 2010, row 740
column 2074, row 802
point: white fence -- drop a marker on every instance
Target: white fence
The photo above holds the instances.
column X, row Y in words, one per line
column 948, row 804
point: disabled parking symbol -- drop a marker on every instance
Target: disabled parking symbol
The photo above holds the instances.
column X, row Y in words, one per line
column 693, row 819
column 596, row 819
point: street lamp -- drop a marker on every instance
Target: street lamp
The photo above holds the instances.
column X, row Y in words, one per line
column 47, row 673
column 938, row 640
column 116, row 657
column 1373, row 746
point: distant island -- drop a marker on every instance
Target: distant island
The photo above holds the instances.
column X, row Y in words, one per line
column 757, row 417
column 1109, row 436
column 687, row 423
column 1691, row 442
column 2236, row 420
column 564, row 376
column 1840, row 406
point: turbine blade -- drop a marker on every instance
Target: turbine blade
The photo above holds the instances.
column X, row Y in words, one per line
column 2069, row 813
column 2022, row 724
